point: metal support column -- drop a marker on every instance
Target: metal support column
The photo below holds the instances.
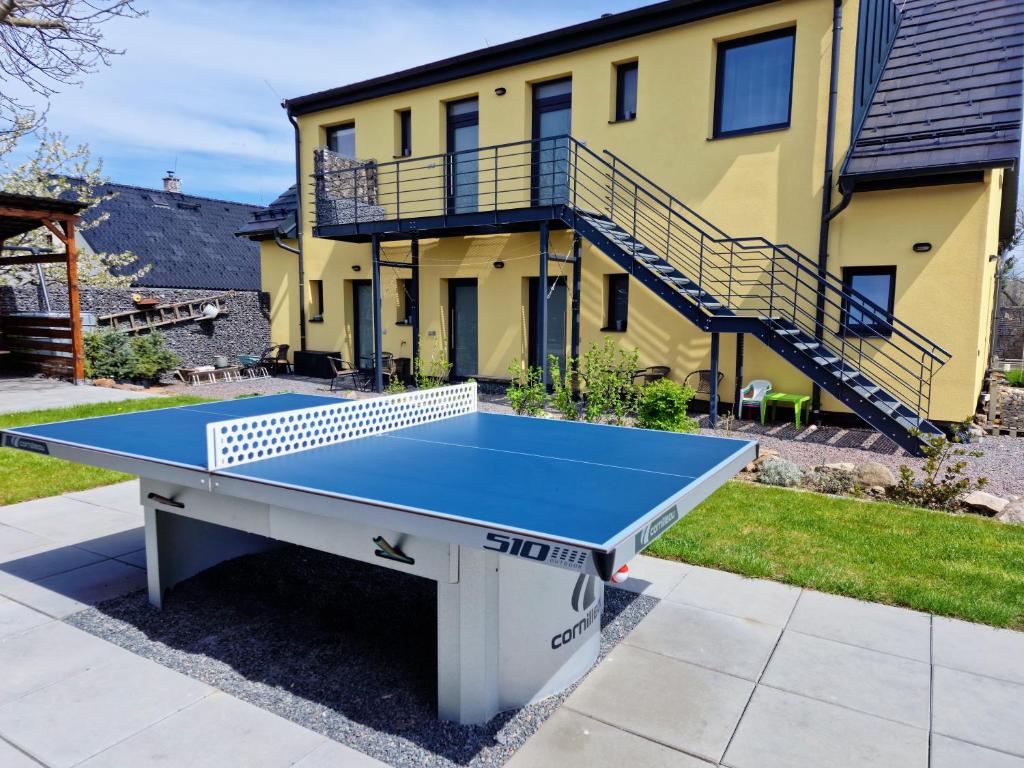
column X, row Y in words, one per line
column 737, row 411
column 577, row 274
column 542, row 306
column 378, row 330
column 414, row 300
column 713, row 398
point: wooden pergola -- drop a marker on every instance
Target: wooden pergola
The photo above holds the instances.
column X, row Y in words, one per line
column 38, row 342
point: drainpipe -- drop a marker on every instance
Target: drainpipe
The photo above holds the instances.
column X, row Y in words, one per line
column 827, row 212
column 298, row 230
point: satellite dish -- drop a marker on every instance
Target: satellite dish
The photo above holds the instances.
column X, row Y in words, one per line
column 210, row 311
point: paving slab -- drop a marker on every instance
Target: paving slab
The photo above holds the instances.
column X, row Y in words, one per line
column 124, row 497
column 49, row 653
column 331, row 754
column 884, row 628
column 571, row 740
column 876, row 683
column 73, row 719
column 136, row 558
column 977, row 709
column 763, row 601
column 11, row 757
column 784, row 730
column 718, row 641
column 653, row 576
column 116, row 544
column 16, row 618
column 27, row 393
column 15, row 543
column 976, row 648
column 69, row 592
column 950, row 753
column 678, row 704
column 216, row 732
column 65, row 520
column 37, row 565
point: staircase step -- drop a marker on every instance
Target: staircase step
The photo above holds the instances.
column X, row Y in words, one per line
column 786, row 331
column 665, row 269
column 909, row 422
column 866, row 390
column 807, row 345
column 825, row 359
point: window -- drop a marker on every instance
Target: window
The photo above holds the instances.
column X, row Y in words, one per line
column 625, row 91
column 618, row 302
column 878, row 285
column 754, row 83
column 403, row 300
column 404, row 133
column 316, row 291
column 342, row 139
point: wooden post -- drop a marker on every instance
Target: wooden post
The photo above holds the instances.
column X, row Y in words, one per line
column 74, row 307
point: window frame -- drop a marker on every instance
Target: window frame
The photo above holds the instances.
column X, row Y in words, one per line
column 404, row 133
column 620, row 70
column 868, row 330
column 611, row 321
column 331, row 130
column 720, row 49
column 316, row 295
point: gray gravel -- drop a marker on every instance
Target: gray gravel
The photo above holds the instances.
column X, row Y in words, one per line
column 343, row 648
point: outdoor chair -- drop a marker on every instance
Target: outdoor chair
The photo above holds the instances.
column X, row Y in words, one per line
column 753, row 395
column 340, row 370
column 651, row 374
column 275, row 358
column 700, row 381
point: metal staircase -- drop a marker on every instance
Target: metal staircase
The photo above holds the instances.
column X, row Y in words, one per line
column 875, row 364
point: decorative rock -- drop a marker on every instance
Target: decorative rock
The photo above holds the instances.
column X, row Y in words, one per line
column 840, row 466
column 985, row 502
column 104, row 383
column 1012, row 513
column 764, row 455
column 872, row 473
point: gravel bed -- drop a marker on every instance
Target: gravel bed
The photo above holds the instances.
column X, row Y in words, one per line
column 340, row 647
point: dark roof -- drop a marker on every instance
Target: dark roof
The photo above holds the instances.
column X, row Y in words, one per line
column 278, row 218
column 608, row 28
column 12, row 225
column 949, row 98
column 188, row 240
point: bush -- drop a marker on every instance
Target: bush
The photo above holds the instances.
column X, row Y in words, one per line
column 837, row 482
column 394, row 387
column 943, row 481
column 778, row 471
column 151, row 357
column 563, row 397
column 108, row 355
column 608, row 372
column 662, row 405
column 1015, row 378
column 431, row 373
column 526, row 393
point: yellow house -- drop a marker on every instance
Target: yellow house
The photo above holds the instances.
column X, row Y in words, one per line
column 825, row 184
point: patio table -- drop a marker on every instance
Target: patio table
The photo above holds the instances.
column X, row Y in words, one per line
column 797, row 402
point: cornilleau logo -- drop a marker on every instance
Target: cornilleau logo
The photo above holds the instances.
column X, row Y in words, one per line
column 585, row 599
column 27, row 444
column 656, row 527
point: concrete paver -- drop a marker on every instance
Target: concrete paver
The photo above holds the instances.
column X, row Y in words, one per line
column 71, row 591
column 875, row 683
column 16, row 618
column 642, row 692
column 28, row 393
column 331, row 754
column 979, row 649
column 884, row 628
column 11, row 757
column 654, row 577
column 950, row 753
column 784, row 730
column 55, row 558
column 123, row 497
column 67, row 521
column 15, row 543
column 980, row 710
column 116, row 544
column 718, row 641
column 763, row 601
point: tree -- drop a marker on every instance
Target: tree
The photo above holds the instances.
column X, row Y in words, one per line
column 55, row 169
column 45, row 44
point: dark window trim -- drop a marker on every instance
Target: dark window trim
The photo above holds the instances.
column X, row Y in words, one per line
column 451, row 123
column 317, row 291
column 620, row 71
column 612, row 323
column 538, row 107
column 331, row 129
column 775, row 34
column 867, row 330
column 404, row 133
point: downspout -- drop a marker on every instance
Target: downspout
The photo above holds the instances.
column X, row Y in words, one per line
column 298, row 230
column 827, row 212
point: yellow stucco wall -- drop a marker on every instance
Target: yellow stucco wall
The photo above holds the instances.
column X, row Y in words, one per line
column 766, row 184
column 279, row 276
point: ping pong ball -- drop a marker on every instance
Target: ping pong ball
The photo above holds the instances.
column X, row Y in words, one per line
column 620, row 575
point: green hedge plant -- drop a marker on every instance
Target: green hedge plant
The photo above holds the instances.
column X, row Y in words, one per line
column 526, row 391
column 113, row 355
column 662, row 405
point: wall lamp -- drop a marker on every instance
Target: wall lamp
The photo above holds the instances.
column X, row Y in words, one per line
column 499, row 265
column 356, row 268
column 500, row 91
column 922, row 247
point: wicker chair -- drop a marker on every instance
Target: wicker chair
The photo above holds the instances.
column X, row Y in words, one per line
column 651, row 374
column 340, row 370
column 700, row 381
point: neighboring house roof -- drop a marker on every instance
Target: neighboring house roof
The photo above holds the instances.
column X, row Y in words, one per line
column 187, row 241
column 278, row 218
column 949, row 97
column 608, row 28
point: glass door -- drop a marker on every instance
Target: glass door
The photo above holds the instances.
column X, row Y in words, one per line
column 463, row 327
column 463, row 167
column 552, row 118
column 557, row 316
column 362, row 322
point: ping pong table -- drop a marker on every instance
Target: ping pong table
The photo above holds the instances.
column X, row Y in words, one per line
column 519, row 521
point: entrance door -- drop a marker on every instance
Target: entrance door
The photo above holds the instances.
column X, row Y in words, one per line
column 552, row 117
column 463, row 325
column 362, row 323
column 557, row 309
column 463, row 167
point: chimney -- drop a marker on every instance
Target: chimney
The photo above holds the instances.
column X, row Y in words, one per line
column 172, row 183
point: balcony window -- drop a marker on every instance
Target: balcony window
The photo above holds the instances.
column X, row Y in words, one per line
column 878, row 284
column 754, row 83
column 342, row 139
column 617, row 291
column 626, row 76
column 316, row 290
column 405, row 133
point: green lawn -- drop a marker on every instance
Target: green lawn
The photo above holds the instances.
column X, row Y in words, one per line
column 962, row 566
column 25, row 476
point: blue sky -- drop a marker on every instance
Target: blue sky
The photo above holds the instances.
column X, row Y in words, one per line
column 200, row 84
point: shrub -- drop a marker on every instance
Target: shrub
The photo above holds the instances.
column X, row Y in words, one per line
column 837, row 482
column 394, row 387
column 608, row 372
column 943, row 480
column 151, row 357
column 431, row 373
column 563, row 397
column 662, row 405
column 526, row 392
column 778, row 471
column 1015, row 378
column 108, row 355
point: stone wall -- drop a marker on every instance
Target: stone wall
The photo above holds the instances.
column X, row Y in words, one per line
column 1009, row 336
column 243, row 329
